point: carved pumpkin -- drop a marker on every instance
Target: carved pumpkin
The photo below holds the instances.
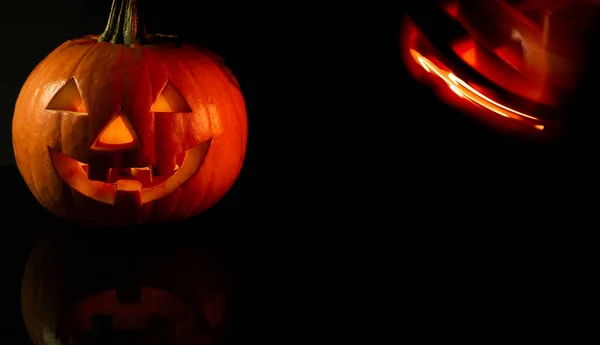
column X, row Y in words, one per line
column 78, row 289
column 129, row 128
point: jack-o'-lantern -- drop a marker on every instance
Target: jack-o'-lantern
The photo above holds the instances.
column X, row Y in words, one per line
column 78, row 289
column 127, row 128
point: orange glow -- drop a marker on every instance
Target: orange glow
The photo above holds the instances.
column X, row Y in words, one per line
column 118, row 133
column 464, row 90
column 68, row 99
column 75, row 174
column 170, row 101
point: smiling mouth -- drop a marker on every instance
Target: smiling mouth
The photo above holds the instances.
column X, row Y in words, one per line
column 138, row 184
column 156, row 313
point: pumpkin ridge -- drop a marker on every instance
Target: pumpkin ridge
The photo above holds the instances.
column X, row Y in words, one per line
column 58, row 118
column 178, row 199
column 81, row 59
column 242, row 139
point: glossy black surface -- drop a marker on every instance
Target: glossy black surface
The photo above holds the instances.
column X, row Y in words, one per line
column 367, row 209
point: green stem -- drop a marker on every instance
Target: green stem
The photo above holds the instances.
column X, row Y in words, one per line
column 126, row 24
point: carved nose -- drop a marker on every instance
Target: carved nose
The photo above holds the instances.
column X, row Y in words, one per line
column 117, row 135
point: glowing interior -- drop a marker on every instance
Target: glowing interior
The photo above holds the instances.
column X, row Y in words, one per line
column 170, row 101
column 128, row 183
column 119, row 133
column 464, row 90
column 68, row 99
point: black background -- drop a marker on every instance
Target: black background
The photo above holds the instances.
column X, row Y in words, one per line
column 351, row 213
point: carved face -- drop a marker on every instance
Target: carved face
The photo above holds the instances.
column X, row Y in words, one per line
column 107, row 178
column 107, row 134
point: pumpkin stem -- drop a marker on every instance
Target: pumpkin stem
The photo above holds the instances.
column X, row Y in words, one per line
column 126, row 24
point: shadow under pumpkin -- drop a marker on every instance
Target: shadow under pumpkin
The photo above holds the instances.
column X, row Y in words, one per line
column 79, row 289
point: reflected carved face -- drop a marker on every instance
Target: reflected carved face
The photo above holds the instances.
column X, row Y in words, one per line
column 155, row 316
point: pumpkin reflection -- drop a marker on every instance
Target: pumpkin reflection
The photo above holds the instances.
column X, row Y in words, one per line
column 78, row 289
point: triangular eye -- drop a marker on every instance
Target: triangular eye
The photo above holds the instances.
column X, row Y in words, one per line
column 68, row 99
column 170, row 101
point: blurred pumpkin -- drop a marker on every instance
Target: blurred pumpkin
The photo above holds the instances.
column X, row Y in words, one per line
column 78, row 289
column 127, row 128
column 551, row 36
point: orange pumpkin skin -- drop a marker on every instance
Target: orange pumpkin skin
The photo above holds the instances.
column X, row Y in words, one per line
column 115, row 79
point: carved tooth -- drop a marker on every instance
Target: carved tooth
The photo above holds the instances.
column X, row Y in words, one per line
column 128, row 200
column 128, row 192
column 144, row 175
column 128, row 189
